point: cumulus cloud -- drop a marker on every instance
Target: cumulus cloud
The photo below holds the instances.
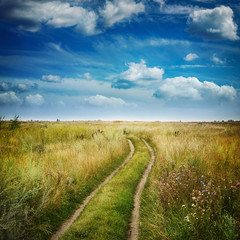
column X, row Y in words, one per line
column 20, row 87
column 4, row 86
column 23, row 87
column 30, row 15
column 100, row 100
column 9, row 98
column 51, row 78
column 191, row 88
column 138, row 74
column 140, row 71
column 216, row 59
column 191, row 57
column 214, row 24
column 34, row 100
column 120, row 10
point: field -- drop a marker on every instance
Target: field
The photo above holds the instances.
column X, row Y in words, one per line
column 48, row 168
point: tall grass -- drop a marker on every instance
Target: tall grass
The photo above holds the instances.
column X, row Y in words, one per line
column 194, row 188
column 46, row 169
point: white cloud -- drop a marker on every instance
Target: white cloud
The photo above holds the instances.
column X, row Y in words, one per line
column 160, row 1
column 192, row 88
column 165, row 42
column 4, row 86
column 138, row 75
column 22, row 87
column 51, row 78
column 57, row 14
column 64, row 15
column 191, row 57
column 217, row 60
column 214, row 23
column 177, row 9
column 9, row 98
column 100, row 100
column 87, row 76
column 120, row 10
column 34, row 100
column 140, row 71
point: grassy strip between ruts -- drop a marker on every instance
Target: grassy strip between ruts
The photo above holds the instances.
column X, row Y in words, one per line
column 108, row 214
column 74, row 198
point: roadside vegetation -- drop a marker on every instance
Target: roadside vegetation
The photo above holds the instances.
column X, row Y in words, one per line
column 47, row 169
column 108, row 214
column 194, row 189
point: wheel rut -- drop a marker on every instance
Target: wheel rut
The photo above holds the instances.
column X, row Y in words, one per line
column 69, row 222
column 134, row 227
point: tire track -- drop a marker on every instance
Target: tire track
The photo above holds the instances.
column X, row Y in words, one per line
column 69, row 222
column 134, row 228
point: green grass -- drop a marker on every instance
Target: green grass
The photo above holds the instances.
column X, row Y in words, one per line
column 71, row 201
column 47, row 169
column 193, row 191
column 108, row 214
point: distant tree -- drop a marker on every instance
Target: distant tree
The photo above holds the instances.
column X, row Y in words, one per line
column 58, row 120
column 15, row 123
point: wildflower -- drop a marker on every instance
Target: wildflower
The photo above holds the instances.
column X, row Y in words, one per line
column 202, row 213
column 202, row 176
column 186, row 218
column 238, row 184
column 234, row 187
column 193, row 198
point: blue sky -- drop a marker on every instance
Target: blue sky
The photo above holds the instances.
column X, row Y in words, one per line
column 148, row 60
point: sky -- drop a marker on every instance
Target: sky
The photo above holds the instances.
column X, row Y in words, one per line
column 149, row 60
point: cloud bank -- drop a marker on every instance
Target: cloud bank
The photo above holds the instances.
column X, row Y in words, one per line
column 9, row 98
column 103, row 101
column 192, row 89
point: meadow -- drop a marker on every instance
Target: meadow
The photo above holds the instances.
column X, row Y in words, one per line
column 48, row 168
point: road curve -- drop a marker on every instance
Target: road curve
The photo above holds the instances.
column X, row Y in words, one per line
column 134, row 228
column 69, row 222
